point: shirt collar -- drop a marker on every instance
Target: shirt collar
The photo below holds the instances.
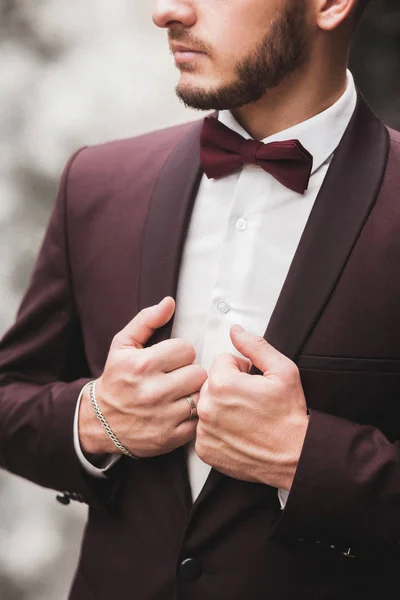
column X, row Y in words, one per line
column 320, row 135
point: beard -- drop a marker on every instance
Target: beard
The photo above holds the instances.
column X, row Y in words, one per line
column 284, row 49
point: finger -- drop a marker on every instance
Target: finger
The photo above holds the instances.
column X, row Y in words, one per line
column 243, row 364
column 181, row 382
column 172, row 354
column 224, row 373
column 264, row 356
column 227, row 365
column 143, row 326
column 182, row 408
column 184, row 433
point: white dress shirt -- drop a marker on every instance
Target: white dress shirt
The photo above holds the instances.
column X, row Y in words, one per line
column 242, row 237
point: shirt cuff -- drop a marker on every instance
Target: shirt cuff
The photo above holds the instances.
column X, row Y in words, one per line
column 109, row 460
column 283, row 496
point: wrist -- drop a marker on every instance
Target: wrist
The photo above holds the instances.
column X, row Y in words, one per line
column 281, row 470
column 295, row 439
column 93, row 439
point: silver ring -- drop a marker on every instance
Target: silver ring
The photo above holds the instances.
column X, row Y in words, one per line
column 192, row 405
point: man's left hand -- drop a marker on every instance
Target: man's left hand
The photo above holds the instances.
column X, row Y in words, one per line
column 252, row 427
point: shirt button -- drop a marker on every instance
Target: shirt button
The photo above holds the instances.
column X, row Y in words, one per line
column 223, row 307
column 241, row 224
column 63, row 499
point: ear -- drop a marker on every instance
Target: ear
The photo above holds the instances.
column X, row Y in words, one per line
column 333, row 13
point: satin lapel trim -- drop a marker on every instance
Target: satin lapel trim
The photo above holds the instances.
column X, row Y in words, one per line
column 345, row 200
column 343, row 204
column 164, row 236
column 168, row 219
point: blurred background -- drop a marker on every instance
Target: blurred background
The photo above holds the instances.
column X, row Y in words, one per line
column 74, row 73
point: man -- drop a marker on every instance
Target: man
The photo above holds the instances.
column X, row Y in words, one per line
column 281, row 210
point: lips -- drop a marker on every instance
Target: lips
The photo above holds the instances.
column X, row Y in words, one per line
column 186, row 54
column 179, row 48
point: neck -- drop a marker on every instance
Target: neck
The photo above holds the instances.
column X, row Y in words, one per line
column 300, row 97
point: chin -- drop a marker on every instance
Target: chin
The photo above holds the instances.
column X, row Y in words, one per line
column 200, row 83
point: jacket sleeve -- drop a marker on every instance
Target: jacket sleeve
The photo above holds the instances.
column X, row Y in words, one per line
column 42, row 371
column 347, row 487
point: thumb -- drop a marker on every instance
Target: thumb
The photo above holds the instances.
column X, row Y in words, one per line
column 143, row 326
column 263, row 356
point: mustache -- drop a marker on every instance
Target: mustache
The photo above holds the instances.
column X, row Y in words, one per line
column 186, row 38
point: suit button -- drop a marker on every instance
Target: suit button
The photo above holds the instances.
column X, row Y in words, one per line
column 190, row 569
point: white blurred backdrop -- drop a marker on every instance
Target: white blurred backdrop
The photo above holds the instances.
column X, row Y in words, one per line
column 71, row 73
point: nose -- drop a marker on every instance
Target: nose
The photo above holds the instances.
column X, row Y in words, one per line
column 169, row 14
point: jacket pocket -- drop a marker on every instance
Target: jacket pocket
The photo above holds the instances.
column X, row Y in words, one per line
column 339, row 363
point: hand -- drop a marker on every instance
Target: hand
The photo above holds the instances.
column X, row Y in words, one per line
column 142, row 390
column 252, row 427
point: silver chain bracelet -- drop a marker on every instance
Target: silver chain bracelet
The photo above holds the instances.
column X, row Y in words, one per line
column 104, row 421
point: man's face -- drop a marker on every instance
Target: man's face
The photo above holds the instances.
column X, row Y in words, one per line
column 232, row 52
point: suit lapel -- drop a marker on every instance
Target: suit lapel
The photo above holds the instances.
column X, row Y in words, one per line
column 167, row 224
column 344, row 202
column 164, row 236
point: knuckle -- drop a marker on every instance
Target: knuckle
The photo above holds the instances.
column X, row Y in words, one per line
column 202, row 411
column 112, row 365
column 150, row 397
column 187, row 350
column 188, row 434
column 203, row 372
column 291, row 370
column 218, row 385
column 147, row 394
column 199, row 376
column 183, row 435
column 116, row 340
column 207, row 411
column 161, row 440
column 124, row 361
column 142, row 363
column 201, row 448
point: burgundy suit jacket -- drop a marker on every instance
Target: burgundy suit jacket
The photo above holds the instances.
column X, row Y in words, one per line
column 114, row 246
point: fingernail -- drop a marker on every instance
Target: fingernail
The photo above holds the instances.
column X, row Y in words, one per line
column 237, row 329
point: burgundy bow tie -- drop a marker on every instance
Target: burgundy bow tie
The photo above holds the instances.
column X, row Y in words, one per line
column 224, row 151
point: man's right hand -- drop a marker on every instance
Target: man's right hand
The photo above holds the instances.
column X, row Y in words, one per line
column 142, row 390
